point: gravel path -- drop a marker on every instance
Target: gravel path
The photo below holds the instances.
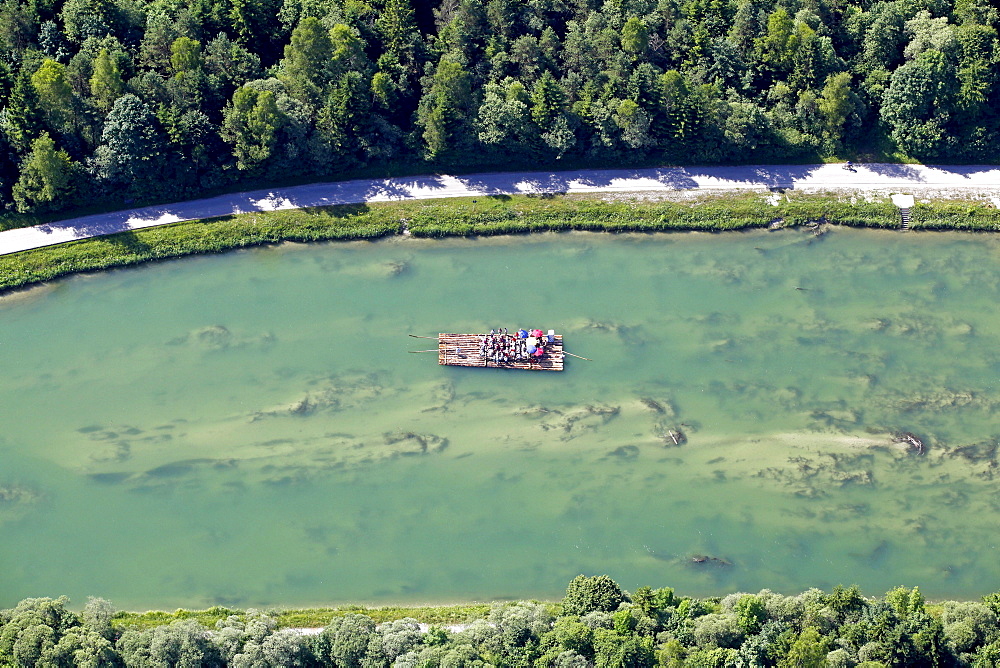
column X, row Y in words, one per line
column 869, row 177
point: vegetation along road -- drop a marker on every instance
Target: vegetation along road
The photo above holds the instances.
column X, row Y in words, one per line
column 754, row 177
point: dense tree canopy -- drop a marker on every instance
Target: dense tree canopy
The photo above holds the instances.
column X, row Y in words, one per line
column 608, row 628
column 220, row 91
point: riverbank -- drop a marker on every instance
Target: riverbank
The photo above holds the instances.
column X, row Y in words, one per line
column 311, row 618
column 500, row 214
column 931, row 181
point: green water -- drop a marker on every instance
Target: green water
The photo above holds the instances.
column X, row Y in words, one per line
column 249, row 429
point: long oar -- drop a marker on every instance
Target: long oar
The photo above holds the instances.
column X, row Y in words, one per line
column 422, row 337
column 423, row 351
column 577, row 356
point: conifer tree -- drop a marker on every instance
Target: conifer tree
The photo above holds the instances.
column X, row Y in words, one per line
column 21, row 121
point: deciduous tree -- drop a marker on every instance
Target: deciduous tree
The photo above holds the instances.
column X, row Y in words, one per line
column 503, row 120
column 46, row 179
column 185, row 55
column 308, row 63
column 106, row 84
column 836, row 104
column 55, row 96
column 918, row 104
column 345, row 640
column 86, row 18
column 250, row 127
column 635, row 36
column 586, row 594
column 131, row 152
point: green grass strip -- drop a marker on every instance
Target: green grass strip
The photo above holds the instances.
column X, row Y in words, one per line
column 711, row 213
column 310, row 617
column 973, row 216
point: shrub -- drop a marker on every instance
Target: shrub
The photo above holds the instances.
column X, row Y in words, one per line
column 587, row 594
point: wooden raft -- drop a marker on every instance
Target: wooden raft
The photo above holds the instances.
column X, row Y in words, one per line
column 463, row 350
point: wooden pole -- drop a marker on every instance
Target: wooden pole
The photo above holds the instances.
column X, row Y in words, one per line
column 422, row 351
column 577, row 356
column 423, row 337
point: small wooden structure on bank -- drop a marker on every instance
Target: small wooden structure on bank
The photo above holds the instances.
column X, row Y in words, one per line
column 467, row 350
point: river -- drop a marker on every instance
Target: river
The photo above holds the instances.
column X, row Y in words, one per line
column 249, row 429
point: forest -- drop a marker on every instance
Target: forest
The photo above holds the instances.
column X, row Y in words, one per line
column 123, row 101
column 597, row 624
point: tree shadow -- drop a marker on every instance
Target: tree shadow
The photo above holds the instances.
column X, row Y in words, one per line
column 104, row 224
column 967, row 171
column 897, row 171
column 336, row 211
column 781, row 177
column 127, row 241
column 673, row 178
column 325, row 194
column 561, row 182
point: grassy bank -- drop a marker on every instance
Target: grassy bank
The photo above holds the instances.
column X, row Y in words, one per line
column 444, row 615
column 478, row 216
column 214, row 235
column 963, row 215
column 707, row 213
